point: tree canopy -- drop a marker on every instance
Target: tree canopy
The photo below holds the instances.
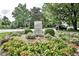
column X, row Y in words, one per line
column 62, row 12
column 21, row 15
column 5, row 22
column 51, row 15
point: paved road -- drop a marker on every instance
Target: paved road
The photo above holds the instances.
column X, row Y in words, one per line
column 11, row 30
column 16, row 30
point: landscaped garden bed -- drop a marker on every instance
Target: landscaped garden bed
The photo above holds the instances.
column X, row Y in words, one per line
column 53, row 47
column 41, row 46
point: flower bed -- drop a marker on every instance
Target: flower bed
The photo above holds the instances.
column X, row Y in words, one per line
column 53, row 47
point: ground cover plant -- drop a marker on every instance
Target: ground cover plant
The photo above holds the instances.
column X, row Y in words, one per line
column 53, row 47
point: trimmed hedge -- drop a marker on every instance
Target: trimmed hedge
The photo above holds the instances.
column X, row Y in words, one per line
column 27, row 30
column 30, row 36
column 50, row 31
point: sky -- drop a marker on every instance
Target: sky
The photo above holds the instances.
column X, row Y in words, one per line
column 7, row 6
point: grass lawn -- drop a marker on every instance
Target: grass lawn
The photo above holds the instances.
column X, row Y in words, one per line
column 2, row 35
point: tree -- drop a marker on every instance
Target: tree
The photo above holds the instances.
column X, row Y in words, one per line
column 35, row 15
column 13, row 25
column 21, row 15
column 5, row 22
column 48, row 16
column 0, row 23
column 65, row 12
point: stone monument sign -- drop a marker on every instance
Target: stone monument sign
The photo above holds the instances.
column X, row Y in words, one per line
column 38, row 31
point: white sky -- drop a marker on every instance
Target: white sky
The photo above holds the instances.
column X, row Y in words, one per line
column 7, row 6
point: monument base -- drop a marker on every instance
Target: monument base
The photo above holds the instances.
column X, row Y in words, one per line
column 38, row 31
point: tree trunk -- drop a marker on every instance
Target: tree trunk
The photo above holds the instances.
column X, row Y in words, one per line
column 74, row 17
column 74, row 22
column 75, row 25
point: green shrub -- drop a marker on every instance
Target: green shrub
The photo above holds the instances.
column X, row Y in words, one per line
column 70, row 29
column 16, row 34
column 65, row 37
column 50, row 31
column 48, row 36
column 30, row 36
column 67, row 51
column 76, row 42
column 14, row 47
column 27, row 30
